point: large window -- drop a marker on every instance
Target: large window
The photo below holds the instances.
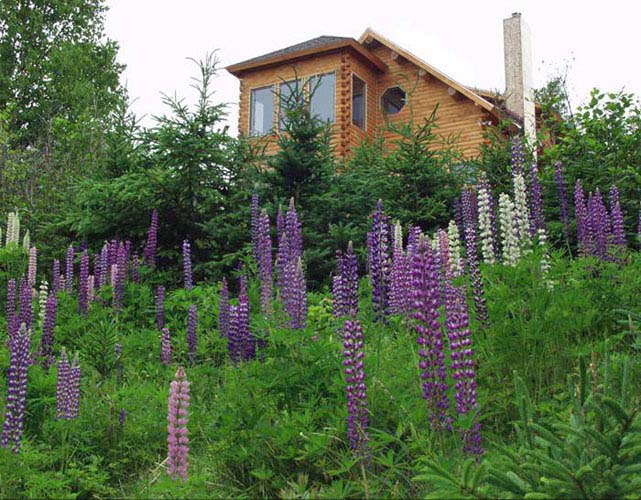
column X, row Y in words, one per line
column 262, row 111
column 393, row 100
column 290, row 95
column 359, row 97
column 321, row 89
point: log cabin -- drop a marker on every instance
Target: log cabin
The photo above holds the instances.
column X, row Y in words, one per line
column 360, row 86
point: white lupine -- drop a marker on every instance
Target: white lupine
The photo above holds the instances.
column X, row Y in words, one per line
column 398, row 235
column 42, row 300
column 521, row 212
column 91, row 287
column 26, row 240
column 15, row 228
column 454, row 243
column 545, row 257
column 434, row 242
column 485, row 226
column 511, row 249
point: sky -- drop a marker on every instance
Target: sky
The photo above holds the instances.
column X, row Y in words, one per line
column 596, row 41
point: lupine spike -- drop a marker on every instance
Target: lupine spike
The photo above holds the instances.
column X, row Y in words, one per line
column 521, row 213
column 358, row 415
column 454, row 245
column 187, row 272
column 165, row 347
column 160, row 307
column 616, row 216
column 55, row 276
column 511, row 248
column 151, row 246
column 378, row 260
column 69, row 270
column 192, row 333
column 177, row 418
column 471, row 253
column 16, row 389
column 485, row 221
column 265, row 263
column 33, row 265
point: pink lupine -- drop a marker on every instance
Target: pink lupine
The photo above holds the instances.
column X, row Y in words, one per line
column 177, row 418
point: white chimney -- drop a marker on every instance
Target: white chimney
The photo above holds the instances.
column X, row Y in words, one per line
column 519, row 95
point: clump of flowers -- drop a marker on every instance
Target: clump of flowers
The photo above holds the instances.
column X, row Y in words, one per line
column 177, row 433
column 67, row 387
column 295, row 294
column 616, row 216
column 16, row 389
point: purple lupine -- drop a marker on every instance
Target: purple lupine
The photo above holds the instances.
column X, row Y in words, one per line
column 48, row 326
column 616, row 216
column 120, row 277
column 165, row 347
column 223, row 309
column 517, row 161
column 243, row 331
column 458, row 214
column 177, row 418
column 413, row 237
column 562, row 195
column 192, row 333
column 55, row 276
column 357, row 412
column 187, row 272
column 149, row 253
column 282, row 258
column 537, row 219
column 425, row 304
column 62, row 385
column 583, row 233
column 69, row 270
column 135, row 268
column 399, row 276
column 462, row 355
column 265, row 263
column 338, row 307
column 16, row 389
column 160, row 307
column 471, row 254
column 83, row 284
column 254, row 222
column 280, row 224
column 293, row 230
column 234, row 340
column 33, row 265
column 599, row 223
column 25, row 313
column 11, row 308
column 295, row 294
column 378, row 261
column 74, row 389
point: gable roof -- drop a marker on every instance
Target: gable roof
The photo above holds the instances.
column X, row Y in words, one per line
column 370, row 35
column 313, row 46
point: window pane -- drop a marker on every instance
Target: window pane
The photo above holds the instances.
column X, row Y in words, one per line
column 262, row 111
column 358, row 102
column 393, row 100
column 321, row 88
column 288, row 93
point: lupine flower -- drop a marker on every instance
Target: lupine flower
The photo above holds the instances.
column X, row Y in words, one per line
column 33, row 265
column 165, row 347
column 62, row 385
column 160, row 307
column 25, row 314
column 295, row 294
column 177, row 418
column 378, row 259
column 471, row 254
column 16, row 389
column 458, row 214
column 583, row 232
column 248, row 342
column 600, row 224
column 48, row 326
column 55, row 276
column 234, row 339
column 545, row 257
column 223, row 309
column 357, row 412
column 280, row 224
column 460, row 338
column 562, row 194
column 338, row 308
column 413, row 237
column 149, row 254
column 537, row 218
column 282, row 258
column 192, row 333
column 83, row 284
column 113, row 275
column 425, row 293
column 187, row 273
column 454, row 245
column 345, row 290
column 265, row 263
column 616, row 216
column 69, row 270
column 11, row 307
column 91, row 288
column 485, row 221
column 254, row 222
column 294, row 233
column 511, row 248
column 43, row 293
column 517, row 162
column 74, row 389
column 135, row 268
column 399, row 275
column 443, row 251
column 521, row 212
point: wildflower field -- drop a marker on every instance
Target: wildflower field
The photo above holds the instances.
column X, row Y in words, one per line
column 475, row 361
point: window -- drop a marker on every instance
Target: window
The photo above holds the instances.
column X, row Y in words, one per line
column 261, row 111
column 393, row 100
column 289, row 92
column 359, row 96
column 321, row 90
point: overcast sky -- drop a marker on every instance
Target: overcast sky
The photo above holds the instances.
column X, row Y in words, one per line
column 599, row 41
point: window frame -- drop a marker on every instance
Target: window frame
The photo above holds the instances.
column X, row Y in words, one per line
column 251, row 110
column 381, row 101
column 351, row 90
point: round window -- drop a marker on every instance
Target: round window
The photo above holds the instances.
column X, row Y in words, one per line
column 393, row 100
